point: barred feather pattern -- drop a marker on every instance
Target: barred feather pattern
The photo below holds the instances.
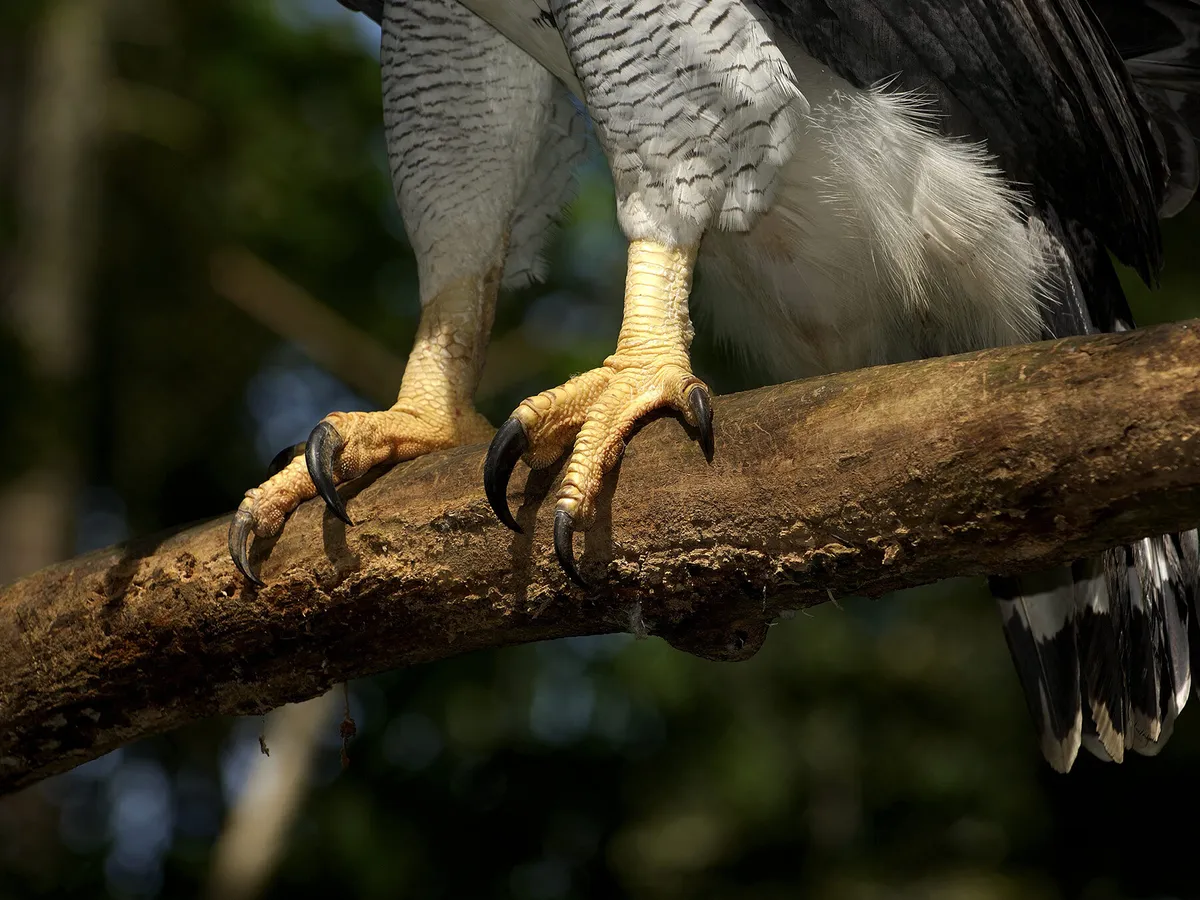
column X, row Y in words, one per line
column 482, row 143
column 694, row 104
column 565, row 145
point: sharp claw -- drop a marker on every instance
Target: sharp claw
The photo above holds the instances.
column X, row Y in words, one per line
column 509, row 444
column 701, row 406
column 239, row 545
column 564, row 528
column 282, row 458
column 323, row 445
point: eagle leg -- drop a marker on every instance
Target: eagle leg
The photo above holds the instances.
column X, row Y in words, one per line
column 599, row 409
column 433, row 411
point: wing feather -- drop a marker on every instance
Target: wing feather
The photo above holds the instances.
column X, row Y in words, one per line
column 1038, row 79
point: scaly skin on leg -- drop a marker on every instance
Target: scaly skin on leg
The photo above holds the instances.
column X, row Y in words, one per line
column 650, row 370
column 433, row 411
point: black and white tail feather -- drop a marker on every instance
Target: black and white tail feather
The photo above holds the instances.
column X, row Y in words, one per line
column 1101, row 647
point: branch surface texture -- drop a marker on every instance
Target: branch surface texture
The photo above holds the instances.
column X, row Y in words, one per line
column 860, row 483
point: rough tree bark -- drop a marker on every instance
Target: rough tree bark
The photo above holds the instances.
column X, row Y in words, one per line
column 859, row 483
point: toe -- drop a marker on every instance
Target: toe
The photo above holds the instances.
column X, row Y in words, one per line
column 700, row 405
column 324, row 446
column 612, row 419
column 282, row 458
column 564, row 532
column 239, row 542
column 342, row 447
column 510, row 442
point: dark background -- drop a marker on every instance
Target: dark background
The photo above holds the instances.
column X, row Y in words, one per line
column 160, row 163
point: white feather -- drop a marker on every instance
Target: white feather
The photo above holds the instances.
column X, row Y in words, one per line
column 886, row 242
column 852, row 235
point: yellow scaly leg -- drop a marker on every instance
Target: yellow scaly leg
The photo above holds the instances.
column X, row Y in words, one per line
column 650, row 370
column 433, row 410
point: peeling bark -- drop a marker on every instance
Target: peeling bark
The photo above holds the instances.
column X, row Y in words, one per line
column 860, row 483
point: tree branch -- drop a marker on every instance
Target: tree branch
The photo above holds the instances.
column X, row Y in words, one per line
column 859, row 483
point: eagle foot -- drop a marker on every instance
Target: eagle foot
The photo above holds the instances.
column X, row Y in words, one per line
column 599, row 409
column 341, row 448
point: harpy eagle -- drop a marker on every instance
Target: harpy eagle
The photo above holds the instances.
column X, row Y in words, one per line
column 861, row 181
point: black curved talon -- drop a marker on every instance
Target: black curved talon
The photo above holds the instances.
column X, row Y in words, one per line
column 239, row 545
column 323, row 445
column 701, row 406
column 282, row 458
column 564, row 529
column 509, row 445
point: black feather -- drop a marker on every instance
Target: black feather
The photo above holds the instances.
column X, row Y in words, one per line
column 1144, row 644
column 1040, row 81
column 1102, row 632
column 1164, row 582
column 372, row 9
column 1038, row 613
column 1159, row 39
column 1160, row 43
column 1178, row 146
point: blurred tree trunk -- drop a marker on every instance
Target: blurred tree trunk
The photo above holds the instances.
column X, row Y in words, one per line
column 56, row 188
column 58, row 98
column 255, row 835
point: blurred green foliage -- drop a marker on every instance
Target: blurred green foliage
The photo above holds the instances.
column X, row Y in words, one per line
column 873, row 749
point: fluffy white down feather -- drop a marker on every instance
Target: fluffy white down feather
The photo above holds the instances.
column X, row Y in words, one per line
column 886, row 242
